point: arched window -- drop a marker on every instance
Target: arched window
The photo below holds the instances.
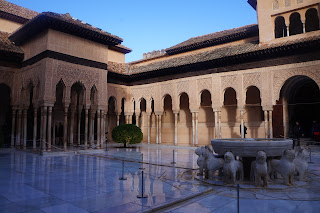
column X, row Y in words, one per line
column 280, row 27
column 296, row 26
column 312, row 20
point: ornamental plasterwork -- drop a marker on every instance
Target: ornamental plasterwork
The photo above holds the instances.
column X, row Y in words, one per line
column 167, row 89
column 279, row 78
column 71, row 74
column 252, row 79
column 31, row 74
column 230, row 81
column 183, row 87
column 6, row 78
column 204, row 84
column 143, row 92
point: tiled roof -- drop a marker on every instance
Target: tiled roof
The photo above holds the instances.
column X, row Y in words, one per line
column 7, row 45
column 241, row 50
column 64, row 23
column 214, row 39
column 15, row 10
column 120, row 68
column 121, row 48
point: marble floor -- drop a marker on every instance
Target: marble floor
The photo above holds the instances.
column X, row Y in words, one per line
column 88, row 181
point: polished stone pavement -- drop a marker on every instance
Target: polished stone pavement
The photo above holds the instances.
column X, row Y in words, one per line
column 88, row 181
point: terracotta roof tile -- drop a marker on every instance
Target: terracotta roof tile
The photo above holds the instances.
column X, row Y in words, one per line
column 220, row 53
column 7, row 45
column 214, row 39
column 16, row 10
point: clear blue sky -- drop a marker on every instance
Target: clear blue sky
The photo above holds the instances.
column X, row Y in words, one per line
column 147, row 25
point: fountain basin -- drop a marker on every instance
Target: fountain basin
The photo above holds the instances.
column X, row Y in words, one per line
column 248, row 147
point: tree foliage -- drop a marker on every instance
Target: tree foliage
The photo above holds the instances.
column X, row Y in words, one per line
column 127, row 134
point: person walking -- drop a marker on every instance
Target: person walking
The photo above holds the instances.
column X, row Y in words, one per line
column 297, row 134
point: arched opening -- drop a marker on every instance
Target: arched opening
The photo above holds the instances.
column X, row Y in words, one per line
column 58, row 112
column 144, row 119
column 254, row 114
column 153, row 124
column 300, row 97
column 296, row 26
column 112, row 116
column 185, row 121
column 30, row 114
column 205, row 119
column 312, row 20
column 167, row 121
column 122, row 116
column 280, row 28
column 230, row 116
column 5, row 115
column 76, row 111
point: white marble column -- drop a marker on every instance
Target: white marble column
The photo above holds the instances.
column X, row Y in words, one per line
column 25, row 113
column 176, row 128
column 44, row 129
column 216, row 127
column 219, row 123
column 118, row 119
column 242, row 123
column 41, row 124
column 130, row 119
column 160, row 126
column 137, row 121
column 53, row 130
column 193, row 128
column 79, row 126
column 49, row 127
column 92, row 128
column 148, row 115
column 98, row 129
column 65, row 128
column 35, row 124
column 266, row 123
column 270, row 124
column 18, row 128
column 196, row 128
column 285, row 117
column 13, row 127
column 157, row 129
column 71, row 126
column 86, row 129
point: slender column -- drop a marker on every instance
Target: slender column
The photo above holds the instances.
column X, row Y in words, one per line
column 13, row 127
column 71, row 127
column 126, row 119
column 41, row 124
column 157, row 129
column 98, row 129
column 304, row 26
column 53, row 131
column 266, row 123
column 118, row 119
column 49, row 127
column 288, row 32
column 137, row 121
column 86, row 129
column 270, row 124
column 219, row 122
column 193, row 129
column 176, row 128
column 25, row 112
column 65, row 128
column 44, row 129
column 242, row 123
column 130, row 119
column 160, row 126
column 79, row 125
column 216, row 127
column 148, row 115
column 92, row 128
column 18, row 128
column 196, row 126
column 285, row 117
column 102, row 131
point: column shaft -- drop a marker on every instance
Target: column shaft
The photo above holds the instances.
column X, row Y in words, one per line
column 219, row 123
column 86, row 130
column 65, row 128
column 266, row 123
column 118, row 120
column 13, row 127
column 148, row 128
column 18, row 128
column 49, row 127
column 196, row 125
column 160, row 126
column 193, row 128
column 79, row 126
column 44, row 129
column 270, row 124
column 98, row 129
column 35, row 123
column 71, row 127
column 216, row 127
column 25, row 112
column 175, row 128
column 242, row 124
column 157, row 129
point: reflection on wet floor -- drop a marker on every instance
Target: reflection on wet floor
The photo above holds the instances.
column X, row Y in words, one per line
column 89, row 182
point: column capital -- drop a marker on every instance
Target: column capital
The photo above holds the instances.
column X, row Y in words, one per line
column 267, row 108
column 176, row 111
column 158, row 113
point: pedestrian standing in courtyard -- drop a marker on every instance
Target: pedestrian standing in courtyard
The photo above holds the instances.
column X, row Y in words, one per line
column 245, row 130
column 297, row 134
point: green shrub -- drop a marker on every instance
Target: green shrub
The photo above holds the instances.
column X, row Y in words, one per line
column 127, row 134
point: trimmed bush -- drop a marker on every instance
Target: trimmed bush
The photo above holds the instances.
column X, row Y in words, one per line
column 127, row 134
